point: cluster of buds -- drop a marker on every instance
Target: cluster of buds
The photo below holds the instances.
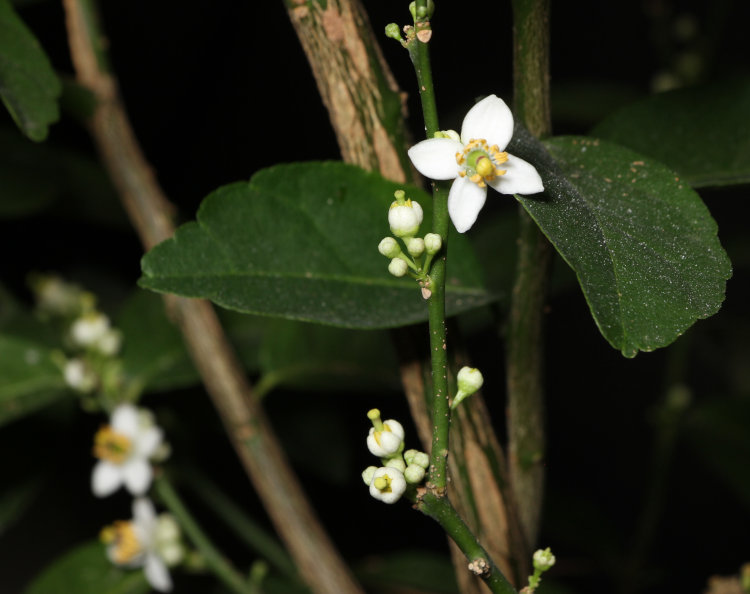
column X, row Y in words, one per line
column 399, row 469
column 90, row 342
column 404, row 217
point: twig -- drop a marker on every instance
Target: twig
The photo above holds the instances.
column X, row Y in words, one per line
column 262, row 457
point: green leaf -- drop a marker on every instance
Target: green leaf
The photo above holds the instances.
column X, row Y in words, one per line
column 153, row 354
column 642, row 243
column 28, row 86
column 15, row 499
column 29, row 379
column 410, row 570
column 87, row 570
column 703, row 133
column 307, row 356
column 299, row 241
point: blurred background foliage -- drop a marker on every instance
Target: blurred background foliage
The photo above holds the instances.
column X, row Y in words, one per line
column 648, row 482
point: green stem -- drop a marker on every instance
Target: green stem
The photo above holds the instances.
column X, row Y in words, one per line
column 441, row 510
column 215, row 561
column 235, row 518
column 419, row 53
column 525, row 329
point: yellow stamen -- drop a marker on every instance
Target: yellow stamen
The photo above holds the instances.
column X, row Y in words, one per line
column 125, row 544
column 111, row 446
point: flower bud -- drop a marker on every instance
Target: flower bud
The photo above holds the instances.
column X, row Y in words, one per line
column 78, row 376
column 396, row 462
column 389, row 247
column 398, row 267
column 415, row 246
column 469, row 381
column 368, row 473
column 388, row 484
column 414, row 474
column 404, row 219
column 417, row 457
column 543, row 559
column 385, row 439
column 89, row 329
column 432, row 243
column 392, row 30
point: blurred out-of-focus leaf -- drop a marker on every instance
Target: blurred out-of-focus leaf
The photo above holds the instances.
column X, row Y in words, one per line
column 87, row 570
column 310, row 356
column 703, row 133
column 413, row 571
column 29, row 379
column 29, row 87
column 300, row 241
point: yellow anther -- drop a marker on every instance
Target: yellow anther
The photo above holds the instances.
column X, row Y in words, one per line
column 126, row 545
column 476, row 178
column 500, row 171
column 111, row 446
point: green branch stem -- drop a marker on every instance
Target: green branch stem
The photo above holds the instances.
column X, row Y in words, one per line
column 215, row 561
column 419, row 53
column 480, row 563
column 525, row 344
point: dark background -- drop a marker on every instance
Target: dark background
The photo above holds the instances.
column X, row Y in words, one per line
column 219, row 90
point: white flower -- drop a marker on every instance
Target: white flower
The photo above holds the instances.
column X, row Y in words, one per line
column 146, row 541
column 405, row 217
column 388, row 484
column 475, row 160
column 124, row 448
column 543, row 559
column 79, row 376
column 386, row 438
column 89, row 329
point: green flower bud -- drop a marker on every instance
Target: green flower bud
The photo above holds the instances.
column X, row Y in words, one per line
column 415, row 246
column 367, row 474
column 396, row 462
column 398, row 267
column 392, row 30
column 469, row 381
column 543, row 559
column 414, row 474
column 417, row 457
column 432, row 243
column 389, row 247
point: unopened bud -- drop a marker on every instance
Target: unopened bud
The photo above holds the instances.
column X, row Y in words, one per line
column 389, row 247
column 398, row 267
column 433, row 243
column 415, row 247
column 414, row 474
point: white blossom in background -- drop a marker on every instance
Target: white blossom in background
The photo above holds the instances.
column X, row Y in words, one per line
column 79, row 376
column 124, row 448
column 476, row 159
column 149, row 541
column 93, row 330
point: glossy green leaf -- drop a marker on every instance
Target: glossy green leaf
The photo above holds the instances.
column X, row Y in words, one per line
column 87, row 570
column 642, row 243
column 28, row 86
column 29, row 379
column 300, row 241
column 703, row 133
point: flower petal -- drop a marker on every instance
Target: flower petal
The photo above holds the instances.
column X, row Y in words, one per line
column 137, row 474
column 106, row 478
column 148, row 441
column 490, row 119
column 125, row 419
column 436, row 157
column 521, row 178
column 465, row 200
column 144, row 512
column 157, row 573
